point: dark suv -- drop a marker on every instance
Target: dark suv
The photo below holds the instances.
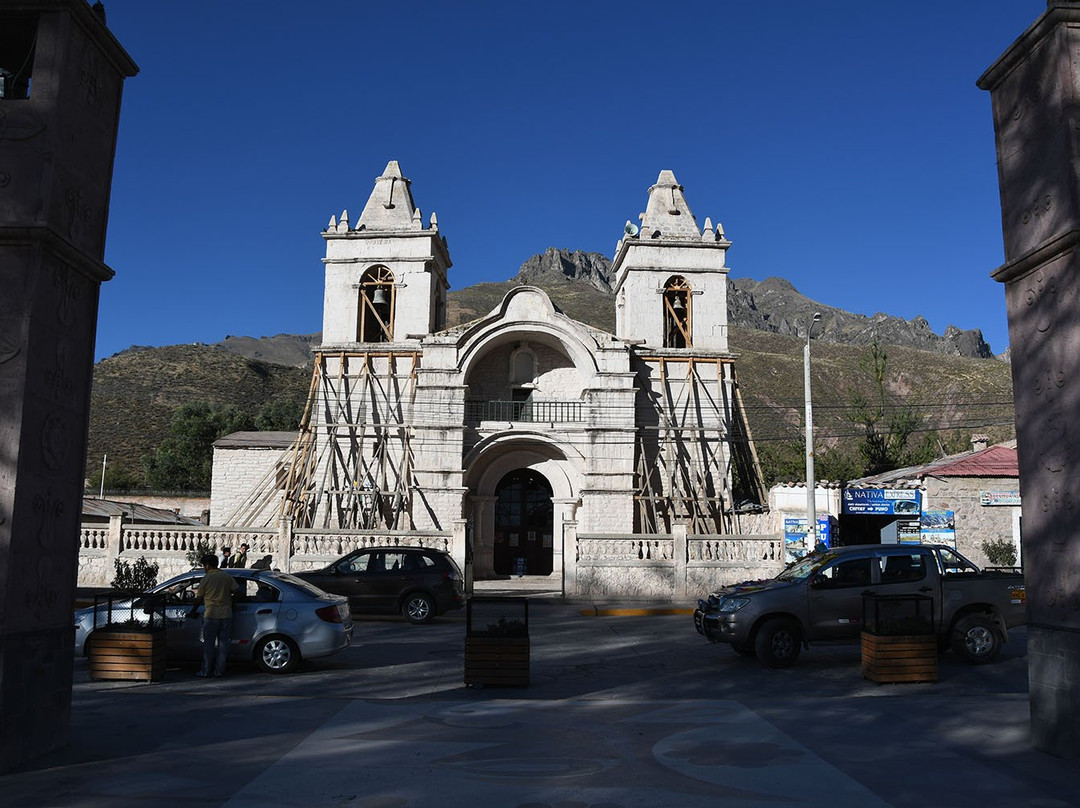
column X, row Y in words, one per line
column 417, row 581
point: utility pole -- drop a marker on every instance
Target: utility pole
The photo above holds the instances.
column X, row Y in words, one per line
column 811, row 504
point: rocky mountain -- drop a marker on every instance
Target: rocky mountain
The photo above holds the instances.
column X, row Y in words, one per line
column 554, row 265
column 580, row 284
column 773, row 304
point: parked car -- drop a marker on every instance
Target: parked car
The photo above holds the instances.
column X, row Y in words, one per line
column 418, row 582
column 278, row 619
column 820, row 598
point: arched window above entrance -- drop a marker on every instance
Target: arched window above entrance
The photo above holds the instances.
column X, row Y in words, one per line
column 523, row 366
column 375, row 310
column 677, row 313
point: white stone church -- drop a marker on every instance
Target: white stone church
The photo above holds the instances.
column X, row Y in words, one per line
column 517, row 432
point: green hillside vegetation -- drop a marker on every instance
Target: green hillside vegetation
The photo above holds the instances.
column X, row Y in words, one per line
column 136, row 394
column 951, row 397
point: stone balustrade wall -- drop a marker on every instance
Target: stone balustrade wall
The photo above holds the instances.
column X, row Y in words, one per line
column 168, row 546
column 666, row 567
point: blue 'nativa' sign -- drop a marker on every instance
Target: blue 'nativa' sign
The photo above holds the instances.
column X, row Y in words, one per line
column 882, row 501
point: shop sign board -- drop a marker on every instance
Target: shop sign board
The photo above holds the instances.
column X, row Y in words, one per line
column 908, row 531
column 882, row 501
column 999, row 498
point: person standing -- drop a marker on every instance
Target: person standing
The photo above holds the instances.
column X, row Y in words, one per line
column 226, row 557
column 239, row 558
column 215, row 594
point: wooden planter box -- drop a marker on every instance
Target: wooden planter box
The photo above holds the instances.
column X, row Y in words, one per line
column 136, row 655
column 497, row 661
column 901, row 658
column 497, row 641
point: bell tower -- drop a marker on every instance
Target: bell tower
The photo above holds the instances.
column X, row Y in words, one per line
column 385, row 277
column 670, row 277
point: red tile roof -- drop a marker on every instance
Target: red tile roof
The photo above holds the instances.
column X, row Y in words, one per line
column 994, row 461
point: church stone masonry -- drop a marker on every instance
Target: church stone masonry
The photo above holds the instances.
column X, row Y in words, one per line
column 523, row 424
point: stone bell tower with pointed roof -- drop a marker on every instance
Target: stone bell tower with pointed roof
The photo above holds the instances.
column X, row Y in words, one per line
column 385, row 277
column 670, row 277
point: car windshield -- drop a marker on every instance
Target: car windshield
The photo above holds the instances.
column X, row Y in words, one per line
column 302, row 585
column 805, row 567
column 953, row 563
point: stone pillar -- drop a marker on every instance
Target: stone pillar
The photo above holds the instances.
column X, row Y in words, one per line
column 1035, row 91
column 679, row 552
column 58, row 121
column 570, row 556
column 285, row 549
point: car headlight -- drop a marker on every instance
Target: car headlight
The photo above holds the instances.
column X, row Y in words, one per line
column 729, row 605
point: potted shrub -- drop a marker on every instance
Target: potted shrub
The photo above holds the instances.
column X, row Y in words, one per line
column 129, row 642
column 497, row 641
column 899, row 643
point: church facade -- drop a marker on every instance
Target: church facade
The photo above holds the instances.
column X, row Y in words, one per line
column 519, row 428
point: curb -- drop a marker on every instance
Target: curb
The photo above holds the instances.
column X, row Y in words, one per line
column 598, row 611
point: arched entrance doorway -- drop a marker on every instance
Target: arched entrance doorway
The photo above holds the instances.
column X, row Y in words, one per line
column 524, row 518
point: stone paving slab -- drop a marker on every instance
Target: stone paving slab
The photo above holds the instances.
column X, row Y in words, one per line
column 620, row 712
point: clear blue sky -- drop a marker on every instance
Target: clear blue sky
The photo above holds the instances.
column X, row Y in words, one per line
column 843, row 145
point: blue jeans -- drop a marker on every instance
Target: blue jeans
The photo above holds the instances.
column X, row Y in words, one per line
column 216, row 633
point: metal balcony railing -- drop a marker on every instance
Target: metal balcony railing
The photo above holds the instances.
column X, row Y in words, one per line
column 525, row 411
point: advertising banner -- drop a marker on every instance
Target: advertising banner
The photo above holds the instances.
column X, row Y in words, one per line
column 908, row 531
column 795, row 535
column 938, row 527
column 795, row 530
column 882, row 501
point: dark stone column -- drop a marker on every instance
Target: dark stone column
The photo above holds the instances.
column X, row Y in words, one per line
column 62, row 74
column 1035, row 90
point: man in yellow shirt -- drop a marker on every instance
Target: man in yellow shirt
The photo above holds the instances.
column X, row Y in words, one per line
column 215, row 593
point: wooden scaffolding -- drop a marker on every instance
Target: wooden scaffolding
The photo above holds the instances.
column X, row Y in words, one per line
column 351, row 466
column 695, row 456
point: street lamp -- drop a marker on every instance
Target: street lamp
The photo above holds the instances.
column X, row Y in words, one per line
column 811, row 505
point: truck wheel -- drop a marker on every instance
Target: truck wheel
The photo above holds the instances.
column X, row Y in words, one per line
column 976, row 639
column 777, row 643
column 745, row 649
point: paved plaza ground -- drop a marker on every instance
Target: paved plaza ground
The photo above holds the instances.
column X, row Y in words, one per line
column 621, row 712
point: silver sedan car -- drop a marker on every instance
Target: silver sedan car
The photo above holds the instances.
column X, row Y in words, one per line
column 278, row 619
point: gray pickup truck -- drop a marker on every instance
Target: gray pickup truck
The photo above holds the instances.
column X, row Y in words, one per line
column 821, row 597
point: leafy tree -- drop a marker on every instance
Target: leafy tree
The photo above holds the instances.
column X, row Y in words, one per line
column 999, row 552
column 117, row 478
column 183, row 460
column 280, row 415
column 885, row 428
column 201, row 548
column 138, row 576
column 781, row 461
column 837, row 464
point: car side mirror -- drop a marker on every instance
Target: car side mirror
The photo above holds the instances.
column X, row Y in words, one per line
column 819, row 582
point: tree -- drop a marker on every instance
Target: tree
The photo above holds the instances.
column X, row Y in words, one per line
column 280, row 415
column 885, row 427
column 138, row 576
column 182, row 462
column 117, row 478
